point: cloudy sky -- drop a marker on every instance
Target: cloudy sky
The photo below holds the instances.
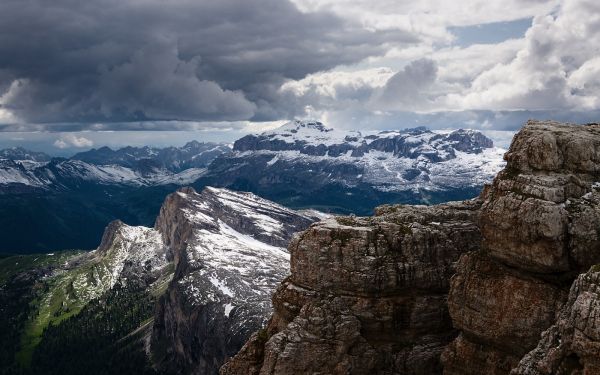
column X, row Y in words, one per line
column 79, row 74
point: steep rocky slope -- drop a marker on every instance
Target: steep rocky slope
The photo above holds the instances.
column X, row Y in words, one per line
column 540, row 226
column 229, row 253
column 365, row 295
column 572, row 344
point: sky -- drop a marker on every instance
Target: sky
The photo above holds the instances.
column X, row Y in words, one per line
column 81, row 74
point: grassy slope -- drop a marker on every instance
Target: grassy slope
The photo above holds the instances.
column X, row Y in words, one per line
column 11, row 265
column 68, row 291
column 64, row 295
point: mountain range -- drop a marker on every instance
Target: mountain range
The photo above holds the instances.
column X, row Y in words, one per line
column 307, row 164
column 56, row 203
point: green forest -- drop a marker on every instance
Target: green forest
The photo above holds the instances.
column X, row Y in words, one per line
column 105, row 337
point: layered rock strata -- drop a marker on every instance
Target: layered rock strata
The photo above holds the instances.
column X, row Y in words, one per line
column 572, row 344
column 540, row 223
column 365, row 295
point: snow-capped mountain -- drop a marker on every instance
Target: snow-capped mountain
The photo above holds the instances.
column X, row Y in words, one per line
column 132, row 166
column 230, row 252
column 60, row 173
column 49, row 204
column 310, row 164
column 175, row 159
column 21, row 154
column 388, row 161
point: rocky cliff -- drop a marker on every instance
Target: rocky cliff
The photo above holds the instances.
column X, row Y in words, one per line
column 368, row 295
column 229, row 254
column 365, row 295
column 540, row 226
column 572, row 344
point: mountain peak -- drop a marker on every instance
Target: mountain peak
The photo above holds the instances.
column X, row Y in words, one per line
column 20, row 153
column 316, row 125
column 192, row 143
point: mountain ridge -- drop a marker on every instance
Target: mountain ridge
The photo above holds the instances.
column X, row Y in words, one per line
column 331, row 171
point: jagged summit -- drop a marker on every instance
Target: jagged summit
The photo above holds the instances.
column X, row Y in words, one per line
column 300, row 125
column 21, row 154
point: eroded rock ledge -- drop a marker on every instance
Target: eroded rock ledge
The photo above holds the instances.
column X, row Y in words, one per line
column 368, row 295
column 365, row 295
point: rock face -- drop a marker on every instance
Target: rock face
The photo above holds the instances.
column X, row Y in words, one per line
column 365, row 295
column 572, row 344
column 540, row 224
column 229, row 254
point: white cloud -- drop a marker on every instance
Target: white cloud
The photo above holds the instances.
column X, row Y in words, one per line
column 409, row 89
column 430, row 18
column 71, row 140
column 555, row 69
column 554, row 66
column 6, row 115
column 335, row 87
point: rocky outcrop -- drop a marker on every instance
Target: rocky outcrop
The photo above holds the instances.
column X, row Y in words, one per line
column 229, row 255
column 572, row 344
column 365, row 295
column 540, row 225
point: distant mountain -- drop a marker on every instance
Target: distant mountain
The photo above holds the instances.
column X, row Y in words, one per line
column 49, row 204
column 307, row 164
column 19, row 153
column 175, row 159
column 133, row 166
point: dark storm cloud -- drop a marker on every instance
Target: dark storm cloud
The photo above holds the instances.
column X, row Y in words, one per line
column 134, row 126
column 69, row 61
